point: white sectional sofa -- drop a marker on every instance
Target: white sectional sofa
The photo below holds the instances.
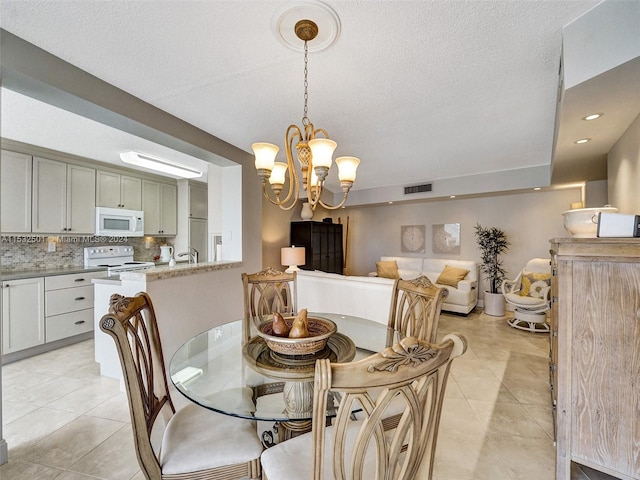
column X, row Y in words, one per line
column 370, row 297
column 462, row 299
column 365, row 297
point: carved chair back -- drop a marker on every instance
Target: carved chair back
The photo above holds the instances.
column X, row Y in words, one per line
column 267, row 292
column 131, row 322
column 413, row 372
column 415, row 308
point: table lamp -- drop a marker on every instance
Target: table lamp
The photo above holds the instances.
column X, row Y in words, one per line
column 292, row 257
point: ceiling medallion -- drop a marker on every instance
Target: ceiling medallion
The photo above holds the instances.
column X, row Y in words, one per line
column 326, row 19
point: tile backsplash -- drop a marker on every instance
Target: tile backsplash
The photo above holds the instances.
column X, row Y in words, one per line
column 30, row 251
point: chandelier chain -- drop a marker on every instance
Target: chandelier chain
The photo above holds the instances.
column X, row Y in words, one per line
column 305, row 118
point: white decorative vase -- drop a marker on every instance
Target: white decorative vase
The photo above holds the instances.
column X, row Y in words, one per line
column 494, row 304
column 306, row 213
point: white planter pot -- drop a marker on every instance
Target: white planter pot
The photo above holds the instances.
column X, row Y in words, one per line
column 494, row 304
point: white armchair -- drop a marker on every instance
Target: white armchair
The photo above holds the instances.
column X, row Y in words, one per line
column 529, row 293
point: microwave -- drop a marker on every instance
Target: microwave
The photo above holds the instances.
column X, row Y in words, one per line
column 119, row 222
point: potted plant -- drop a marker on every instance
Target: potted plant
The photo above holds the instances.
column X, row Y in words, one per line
column 492, row 242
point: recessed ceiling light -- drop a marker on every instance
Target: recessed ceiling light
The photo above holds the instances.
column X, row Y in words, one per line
column 537, row 188
column 390, row 203
column 593, row 116
column 452, row 196
column 582, row 140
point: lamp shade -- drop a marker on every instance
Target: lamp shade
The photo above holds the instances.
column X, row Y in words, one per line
column 322, row 152
column 314, row 179
column 265, row 155
column 347, row 167
column 292, row 257
column 278, row 173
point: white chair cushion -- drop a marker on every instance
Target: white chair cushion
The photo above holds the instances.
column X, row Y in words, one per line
column 292, row 460
column 199, row 439
column 517, row 300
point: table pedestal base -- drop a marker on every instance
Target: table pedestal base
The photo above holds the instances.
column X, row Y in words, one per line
column 298, row 401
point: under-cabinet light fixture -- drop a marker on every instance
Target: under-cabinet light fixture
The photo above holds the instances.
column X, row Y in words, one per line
column 159, row 164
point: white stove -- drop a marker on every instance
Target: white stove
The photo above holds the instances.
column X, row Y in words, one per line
column 115, row 259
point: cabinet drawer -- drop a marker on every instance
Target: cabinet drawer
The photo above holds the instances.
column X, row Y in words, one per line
column 68, row 324
column 68, row 300
column 56, row 282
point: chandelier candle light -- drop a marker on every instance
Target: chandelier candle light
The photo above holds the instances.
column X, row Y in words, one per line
column 314, row 154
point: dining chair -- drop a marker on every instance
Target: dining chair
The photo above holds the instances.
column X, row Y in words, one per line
column 415, row 308
column 197, row 443
column 415, row 311
column 267, row 292
column 412, row 371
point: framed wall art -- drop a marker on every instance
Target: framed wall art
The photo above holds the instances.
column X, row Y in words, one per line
column 412, row 238
column 446, row 238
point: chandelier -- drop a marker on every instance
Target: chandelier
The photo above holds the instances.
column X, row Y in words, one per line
column 314, row 154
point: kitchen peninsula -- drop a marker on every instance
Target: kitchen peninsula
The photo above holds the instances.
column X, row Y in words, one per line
column 187, row 299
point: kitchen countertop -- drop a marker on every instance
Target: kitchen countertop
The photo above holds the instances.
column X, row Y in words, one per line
column 47, row 272
column 179, row 270
column 110, row 280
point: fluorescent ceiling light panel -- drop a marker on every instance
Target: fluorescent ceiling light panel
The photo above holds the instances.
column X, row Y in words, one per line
column 159, row 164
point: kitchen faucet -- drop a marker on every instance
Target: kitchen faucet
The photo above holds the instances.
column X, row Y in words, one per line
column 192, row 253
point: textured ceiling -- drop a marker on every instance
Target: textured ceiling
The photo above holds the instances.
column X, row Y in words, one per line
column 419, row 90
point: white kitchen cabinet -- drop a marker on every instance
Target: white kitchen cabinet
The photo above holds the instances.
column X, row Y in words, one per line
column 22, row 314
column 118, row 191
column 63, row 197
column 198, row 201
column 49, row 196
column 81, row 199
column 69, row 305
column 160, row 206
column 15, row 191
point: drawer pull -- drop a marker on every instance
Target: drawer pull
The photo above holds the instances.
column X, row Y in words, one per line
column 79, row 280
column 79, row 322
column 79, row 298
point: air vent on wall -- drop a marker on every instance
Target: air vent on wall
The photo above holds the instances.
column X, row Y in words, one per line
column 418, row 188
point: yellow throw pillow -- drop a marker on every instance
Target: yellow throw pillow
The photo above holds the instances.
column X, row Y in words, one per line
column 451, row 276
column 535, row 284
column 387, row 269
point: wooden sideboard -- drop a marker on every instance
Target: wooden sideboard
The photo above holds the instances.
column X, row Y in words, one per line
column 323, row 245
column 595, row 354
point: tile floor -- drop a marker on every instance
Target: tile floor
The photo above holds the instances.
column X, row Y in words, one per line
column 63, row 420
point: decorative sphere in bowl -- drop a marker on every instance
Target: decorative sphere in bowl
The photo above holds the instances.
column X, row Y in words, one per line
column 320, row 329
column 583, row 222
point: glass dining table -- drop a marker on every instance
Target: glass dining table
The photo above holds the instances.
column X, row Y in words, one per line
column 215, row 370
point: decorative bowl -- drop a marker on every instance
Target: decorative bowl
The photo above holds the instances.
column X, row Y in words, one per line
column 320, row 329
column 583, row 222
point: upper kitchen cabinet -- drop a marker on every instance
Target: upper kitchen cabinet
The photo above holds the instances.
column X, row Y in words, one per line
column 118, row 191
column 160, row 206
column 198, row 201
column 64, row 197
column 15, row 192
